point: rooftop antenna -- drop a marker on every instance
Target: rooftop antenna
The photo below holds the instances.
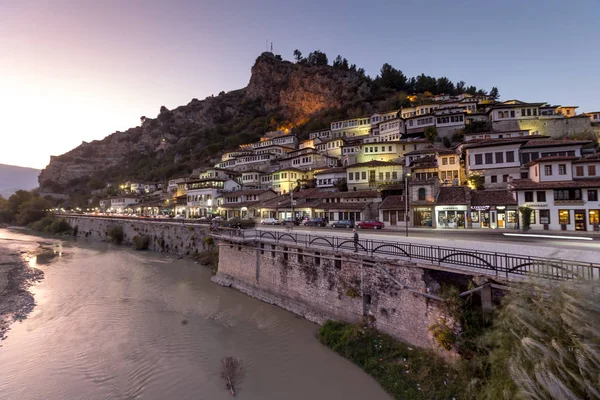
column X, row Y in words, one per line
column 271, row 47
column 266, row 44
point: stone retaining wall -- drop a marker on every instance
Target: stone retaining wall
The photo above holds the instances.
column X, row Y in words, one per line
column 326, row 285
column 170, row 237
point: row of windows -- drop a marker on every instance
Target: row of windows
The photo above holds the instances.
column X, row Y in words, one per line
column 359, row 175
column 561, row 194
column 453, row 118
column 448, row 175
column 448, row 160
column 580, row 168
column 349, row 124
column 494, row 178
column 374, row 149
column 489, row 157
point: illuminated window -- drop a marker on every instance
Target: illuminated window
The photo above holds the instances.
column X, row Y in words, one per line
column 594, row 217
column 564, row 217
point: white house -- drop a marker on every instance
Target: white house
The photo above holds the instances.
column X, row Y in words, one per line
column 373, row 174
column 328, row 178
column 496, row 160
column 562, row 192
column 202, row 195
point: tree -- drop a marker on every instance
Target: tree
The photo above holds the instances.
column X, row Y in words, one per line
column 545, row 343
column 425, row 83
column 32, row 210
column 445, row 86
column 317, row 57
column 231, row 372
column 341, row 185
column 526, row 217
column 390, row 77
column 460, row 87
column 431, row 133
column 476, row 182
column 337, row 63
column 494, row 93
column 142, row 119
column 298, row 56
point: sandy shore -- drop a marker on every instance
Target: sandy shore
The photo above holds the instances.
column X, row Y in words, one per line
column 17, row 276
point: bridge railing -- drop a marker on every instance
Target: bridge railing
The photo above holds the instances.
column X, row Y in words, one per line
column 498, row 264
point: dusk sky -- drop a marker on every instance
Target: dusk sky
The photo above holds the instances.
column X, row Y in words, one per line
column 78, row 70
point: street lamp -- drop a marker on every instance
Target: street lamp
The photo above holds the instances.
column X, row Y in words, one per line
column 406, row 202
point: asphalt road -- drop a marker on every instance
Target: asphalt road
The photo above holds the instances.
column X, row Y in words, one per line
column 466, row 238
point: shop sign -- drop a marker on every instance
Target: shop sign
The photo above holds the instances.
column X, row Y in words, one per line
column 480, row 208
column 450, row 208
column 539, row 205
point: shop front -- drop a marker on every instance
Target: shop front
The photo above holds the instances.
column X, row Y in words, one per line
column 423, row 217
column 494, row 217
column 451, row 216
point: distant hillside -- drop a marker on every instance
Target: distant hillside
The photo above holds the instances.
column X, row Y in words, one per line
column 305, row 96
column 13, row 178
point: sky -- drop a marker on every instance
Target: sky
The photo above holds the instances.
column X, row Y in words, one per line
column 78, row 70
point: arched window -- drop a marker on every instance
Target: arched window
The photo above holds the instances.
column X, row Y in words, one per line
column 421, row 194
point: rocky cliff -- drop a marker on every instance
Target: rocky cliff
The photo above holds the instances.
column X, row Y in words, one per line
column 279, row 93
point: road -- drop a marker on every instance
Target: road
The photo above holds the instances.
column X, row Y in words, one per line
column 496, row 241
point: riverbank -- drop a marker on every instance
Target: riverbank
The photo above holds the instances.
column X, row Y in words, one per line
column 405, row 372
column 17, row 275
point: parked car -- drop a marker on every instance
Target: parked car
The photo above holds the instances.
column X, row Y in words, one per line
column 343, row 223
column 371, row 224
column 179, row 216
column 217, row 218
column 291, row 222
column 315, row 222
column 270, row 221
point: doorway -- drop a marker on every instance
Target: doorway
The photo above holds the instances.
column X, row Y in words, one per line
column 580, row 224
column 501, row 219
column 393, row 217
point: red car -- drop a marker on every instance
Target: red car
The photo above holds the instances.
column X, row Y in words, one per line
column 372, row 224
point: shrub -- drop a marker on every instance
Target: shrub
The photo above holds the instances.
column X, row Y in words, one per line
column 141, row 242
column 51, row 224
column 115, row 233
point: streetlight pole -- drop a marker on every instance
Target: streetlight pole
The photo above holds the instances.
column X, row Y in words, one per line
column 406, row 203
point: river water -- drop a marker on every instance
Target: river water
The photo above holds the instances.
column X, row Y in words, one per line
column 111, row 323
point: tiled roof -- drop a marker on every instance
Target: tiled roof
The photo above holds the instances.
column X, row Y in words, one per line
column 589, row 158
column 523, row 184
column 431, row 150
column 393, row 203
column 453, row 195
column 343, row 206
column 240, row 204
column 495, row 142
column 374, row 163
column 247, row 192
column 552, row 158
column 551, row 142
column 492, row 198
column 331, row 171
column 350, row 195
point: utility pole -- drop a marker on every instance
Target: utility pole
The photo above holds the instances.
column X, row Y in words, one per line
column 292, row 204
column 406, row 202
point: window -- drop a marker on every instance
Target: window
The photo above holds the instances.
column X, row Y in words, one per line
column 544, row 216
column 445, row 161
column 594, row 217
column 567, row 194
column 364, row 175
column 478, row 159
column 493, row 179
column 394, row 175
column 421, row 194
column 387, row 176
column 528, row 197
column 592, row 195
column 591, row 170
column 562, row 169
column 350, row 176
column 541, row 196
column 381, row 176
column 510, row 156
column 579, row 170
column 512, row 114
column 452, row 160
column 489, row 158
column 564, row 217
column 547, row 170
column 499, row 158
column 505, row 178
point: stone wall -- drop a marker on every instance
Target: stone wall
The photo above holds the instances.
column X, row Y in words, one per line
column 328, row 285
column 553, row 127
column 170, row 237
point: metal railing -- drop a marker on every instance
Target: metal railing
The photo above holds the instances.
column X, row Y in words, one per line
column 498, row 264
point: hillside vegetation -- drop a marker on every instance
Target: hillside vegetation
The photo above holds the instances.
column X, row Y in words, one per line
column 306, row 96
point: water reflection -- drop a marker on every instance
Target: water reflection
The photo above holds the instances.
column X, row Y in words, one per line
column 111, row 326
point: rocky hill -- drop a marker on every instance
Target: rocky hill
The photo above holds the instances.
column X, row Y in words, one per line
column 279, row 94
column 13, row 178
